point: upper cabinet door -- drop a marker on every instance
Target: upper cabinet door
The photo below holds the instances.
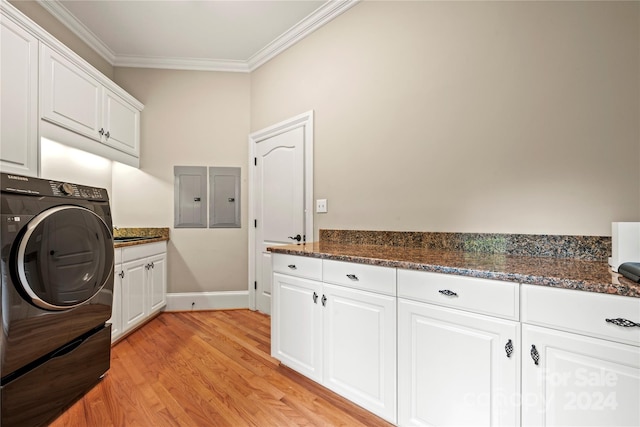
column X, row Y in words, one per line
column 69, row 96
column 19, row 100
column 121, row 124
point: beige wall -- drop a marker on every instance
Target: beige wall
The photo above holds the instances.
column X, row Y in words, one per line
column 43, row 18
column 515, row 117
column 190, row 119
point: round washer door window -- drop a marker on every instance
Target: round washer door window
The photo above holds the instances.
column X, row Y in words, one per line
column 65, row 257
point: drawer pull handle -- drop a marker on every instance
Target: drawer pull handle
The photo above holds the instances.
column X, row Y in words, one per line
column 324, row 301
column 121, row 274
column 353, row 277
column 315, row 298
column 509, row 348
column 534, row 354
column 448, row 293
column 292, row 266
column 625, row 323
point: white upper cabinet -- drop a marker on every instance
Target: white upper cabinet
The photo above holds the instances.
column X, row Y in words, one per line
column 69, row 96
column 48, row 91
column 19, row 99
column 121, row 124
column 74, row 99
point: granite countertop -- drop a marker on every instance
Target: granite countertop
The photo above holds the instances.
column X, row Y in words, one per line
column 568, row 273
column 150, row 235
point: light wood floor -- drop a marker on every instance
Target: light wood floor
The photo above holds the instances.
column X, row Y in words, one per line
column 207, row 369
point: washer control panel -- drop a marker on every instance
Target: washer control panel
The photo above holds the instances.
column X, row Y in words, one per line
column 42, row 187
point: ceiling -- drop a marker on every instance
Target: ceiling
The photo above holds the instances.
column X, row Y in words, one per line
column 231, row 35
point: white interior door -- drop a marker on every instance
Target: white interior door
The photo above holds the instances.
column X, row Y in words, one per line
column 280, row 198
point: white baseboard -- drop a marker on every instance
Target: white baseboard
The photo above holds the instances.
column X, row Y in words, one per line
column 188, row 301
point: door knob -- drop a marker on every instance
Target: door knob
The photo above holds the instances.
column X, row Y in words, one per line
column 297, row 238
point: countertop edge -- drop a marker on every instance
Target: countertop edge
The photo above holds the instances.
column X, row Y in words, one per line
column 624, row 288
column 117, row 245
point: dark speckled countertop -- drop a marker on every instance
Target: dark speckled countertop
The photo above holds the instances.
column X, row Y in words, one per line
column 150, row 235
column 568, row 273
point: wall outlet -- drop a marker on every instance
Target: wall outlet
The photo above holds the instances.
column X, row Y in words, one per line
column 321, row 206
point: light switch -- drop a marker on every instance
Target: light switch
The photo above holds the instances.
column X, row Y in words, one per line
column 321, row 206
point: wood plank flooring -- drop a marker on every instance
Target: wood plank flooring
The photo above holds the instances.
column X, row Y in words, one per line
column 207, row 369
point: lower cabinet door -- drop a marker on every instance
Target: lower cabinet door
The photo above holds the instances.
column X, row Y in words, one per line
column 133, row 294
column 157, row 282
column 456, row 368
column 360, row 348
column 116, row 305
column 575, row 380
column 296, row 324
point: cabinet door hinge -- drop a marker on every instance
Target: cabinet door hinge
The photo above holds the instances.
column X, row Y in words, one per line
column 255, row 286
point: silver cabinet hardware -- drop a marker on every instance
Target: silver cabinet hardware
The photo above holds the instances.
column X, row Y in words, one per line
column 625, row 323
column 508, row 348
column 448, row 293
column 534, row 354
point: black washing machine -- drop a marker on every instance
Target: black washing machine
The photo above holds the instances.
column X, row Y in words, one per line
column 56, row 248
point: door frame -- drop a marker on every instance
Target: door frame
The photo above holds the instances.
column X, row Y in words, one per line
column 305, row 121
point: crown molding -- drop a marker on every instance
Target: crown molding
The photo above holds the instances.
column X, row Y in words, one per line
column 312, row 22
column 62, row 14
column 192, row 64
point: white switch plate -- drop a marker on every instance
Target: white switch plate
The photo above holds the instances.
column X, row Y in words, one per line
column 321, row 206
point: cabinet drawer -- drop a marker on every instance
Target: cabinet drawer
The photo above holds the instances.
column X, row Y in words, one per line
column 372, row 278
column 310, row 268
column 492, row 297
column 130, row 253
column 582, row 312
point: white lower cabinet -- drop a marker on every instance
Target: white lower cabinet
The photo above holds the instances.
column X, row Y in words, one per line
column 470, row 351
column 360, row 348
column 296, row 322
column 570, row 375
column 140, row 286
column 341, row 337
column 456, row 367
column 575, row 380
column 134, row 293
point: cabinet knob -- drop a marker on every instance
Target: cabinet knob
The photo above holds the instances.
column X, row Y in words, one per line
column 107, row 134
column 292, row 266
column 625, row 323
column 353, row 277
column 101, row 131
column 315, row 298
column 324, row 301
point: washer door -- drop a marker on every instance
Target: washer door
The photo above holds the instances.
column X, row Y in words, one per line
column 64, row 257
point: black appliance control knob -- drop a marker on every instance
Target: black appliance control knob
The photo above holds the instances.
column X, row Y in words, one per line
column 66, row 189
